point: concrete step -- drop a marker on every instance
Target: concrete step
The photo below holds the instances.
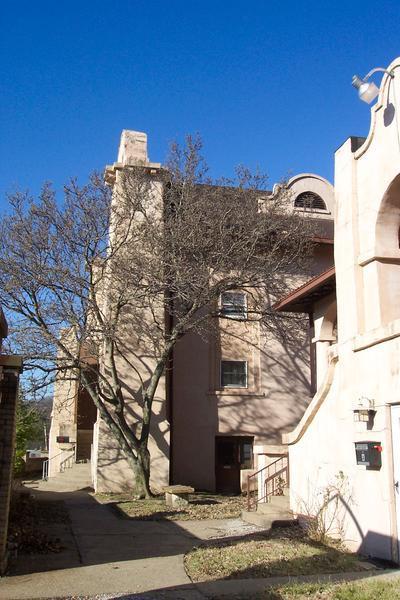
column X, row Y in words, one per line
column 76, row 477
column 278, row 502
column 268, row 509
column 266, row 520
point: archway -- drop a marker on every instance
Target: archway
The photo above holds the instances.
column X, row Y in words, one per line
column 387, row 253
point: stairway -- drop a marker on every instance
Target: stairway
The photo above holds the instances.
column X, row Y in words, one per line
column 78, row 477
column 276, row 509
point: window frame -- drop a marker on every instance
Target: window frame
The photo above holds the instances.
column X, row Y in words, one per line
column 242, row 316
column 231, row 386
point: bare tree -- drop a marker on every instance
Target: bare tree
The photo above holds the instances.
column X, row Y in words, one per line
column 87, row 281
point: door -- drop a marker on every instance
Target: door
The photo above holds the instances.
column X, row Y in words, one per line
column 396, row 465
column 86, row 415
column 231, row 455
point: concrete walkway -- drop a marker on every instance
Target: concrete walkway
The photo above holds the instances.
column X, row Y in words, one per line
column 105, row 554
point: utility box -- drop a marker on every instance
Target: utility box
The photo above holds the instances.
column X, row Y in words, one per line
column 369, row 454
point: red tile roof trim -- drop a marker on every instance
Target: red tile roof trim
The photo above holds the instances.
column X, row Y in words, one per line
column 302, row 291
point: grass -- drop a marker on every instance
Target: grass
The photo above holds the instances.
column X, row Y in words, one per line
column 281, row 552
column 202, row 506
column 361, row 590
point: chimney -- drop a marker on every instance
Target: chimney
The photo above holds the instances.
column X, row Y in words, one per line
column 133, row 148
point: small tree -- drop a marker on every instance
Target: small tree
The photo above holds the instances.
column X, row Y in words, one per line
column 28, row 428
column 78, row 277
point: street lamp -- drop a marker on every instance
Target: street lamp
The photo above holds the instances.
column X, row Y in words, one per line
column 367, row 90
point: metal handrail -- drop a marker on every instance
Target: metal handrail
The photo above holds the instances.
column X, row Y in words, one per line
column 270, row 478
column 64, row 464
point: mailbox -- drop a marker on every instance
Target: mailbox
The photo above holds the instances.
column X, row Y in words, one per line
column 62, row 439
column 369, row 454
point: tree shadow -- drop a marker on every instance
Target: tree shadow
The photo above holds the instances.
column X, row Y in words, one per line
column 100, row 538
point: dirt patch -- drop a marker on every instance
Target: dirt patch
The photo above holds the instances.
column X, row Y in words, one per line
column 29, row 519
column 202, row 506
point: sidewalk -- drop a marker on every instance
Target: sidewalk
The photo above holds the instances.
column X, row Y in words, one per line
column 108, row 555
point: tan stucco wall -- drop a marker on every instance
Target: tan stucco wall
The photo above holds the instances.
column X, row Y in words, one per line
column 111, row 471
column 63, row 415
column 277, row 395
column 367, row 261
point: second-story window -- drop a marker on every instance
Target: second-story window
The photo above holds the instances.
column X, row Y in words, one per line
column 234, row 305
column 233, row 373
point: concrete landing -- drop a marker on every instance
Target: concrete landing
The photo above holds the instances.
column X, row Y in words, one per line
column 78, row 477
column 267, row 513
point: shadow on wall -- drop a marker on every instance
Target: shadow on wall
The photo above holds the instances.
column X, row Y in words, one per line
column 114, row 472
column 373, row 544
column 278, row 393
column 332, row 517
column 285, row 384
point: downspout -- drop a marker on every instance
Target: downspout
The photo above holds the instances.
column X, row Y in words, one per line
column 313, row 366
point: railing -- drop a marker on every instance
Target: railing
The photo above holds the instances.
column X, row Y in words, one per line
column 272, row 480
column 66, row 458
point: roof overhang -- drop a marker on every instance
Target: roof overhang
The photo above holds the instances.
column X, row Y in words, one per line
column 307, row 295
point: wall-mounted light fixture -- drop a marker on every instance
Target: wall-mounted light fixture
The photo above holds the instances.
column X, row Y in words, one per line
column 367, row 90
column 364, row 409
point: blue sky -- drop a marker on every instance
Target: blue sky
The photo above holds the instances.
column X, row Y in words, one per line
column 264, row 83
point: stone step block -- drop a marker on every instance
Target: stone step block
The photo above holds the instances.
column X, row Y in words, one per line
column 266, row 521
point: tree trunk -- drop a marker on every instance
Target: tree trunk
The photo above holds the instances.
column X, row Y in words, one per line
column 140, row 466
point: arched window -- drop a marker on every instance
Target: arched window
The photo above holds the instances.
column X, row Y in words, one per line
column 309, row 201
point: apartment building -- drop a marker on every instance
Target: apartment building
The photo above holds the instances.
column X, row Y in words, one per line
column 221, row 411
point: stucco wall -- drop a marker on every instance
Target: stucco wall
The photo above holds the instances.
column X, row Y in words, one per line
column 140, row 341
column 367, row 261
column 327, row 448
column 63, row 421
column 277, row 395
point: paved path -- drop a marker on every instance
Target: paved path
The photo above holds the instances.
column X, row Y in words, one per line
column 107, row 557
column 105, row 554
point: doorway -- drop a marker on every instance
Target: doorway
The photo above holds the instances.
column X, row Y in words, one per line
column 232, row 453
column 86, row 415
column 395, row 410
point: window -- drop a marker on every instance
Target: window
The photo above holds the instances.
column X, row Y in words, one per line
column 309, row 201
column 234, row 373
column 246, row 455
column 234, row 305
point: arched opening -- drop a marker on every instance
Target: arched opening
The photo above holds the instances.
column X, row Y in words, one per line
column 309, row 201
column 387, row 230
column 386, row 265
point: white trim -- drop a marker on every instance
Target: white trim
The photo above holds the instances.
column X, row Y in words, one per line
column 377, row 336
